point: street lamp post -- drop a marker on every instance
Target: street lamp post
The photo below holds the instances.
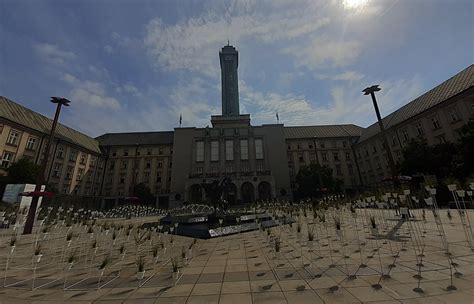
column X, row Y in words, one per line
column 60, row 101
column 371, row 90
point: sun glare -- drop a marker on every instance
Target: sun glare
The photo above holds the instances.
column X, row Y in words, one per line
column 354, row 4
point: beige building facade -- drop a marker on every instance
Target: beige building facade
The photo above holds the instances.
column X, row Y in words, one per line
column 75, row 164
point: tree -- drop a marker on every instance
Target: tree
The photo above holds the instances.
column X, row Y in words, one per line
column 313, row 179
column 443, row 160
column 463, row 161
column 23, row 172
column 143, row 193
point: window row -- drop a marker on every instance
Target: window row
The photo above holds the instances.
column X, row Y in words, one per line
column 229, row 150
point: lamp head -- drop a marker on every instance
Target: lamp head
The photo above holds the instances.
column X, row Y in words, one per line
column 369, row 90
column 61, row 100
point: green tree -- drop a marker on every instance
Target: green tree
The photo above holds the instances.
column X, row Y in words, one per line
column 463, row 161
column 23, row 171
column 143, row 193
column 313, row 178
column 417, row 158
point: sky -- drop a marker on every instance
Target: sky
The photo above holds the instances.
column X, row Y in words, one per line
column 137, row 65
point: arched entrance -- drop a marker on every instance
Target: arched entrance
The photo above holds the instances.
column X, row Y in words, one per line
column 195, row 194
column 247, row 191
column 264, row 191
column 230, row 193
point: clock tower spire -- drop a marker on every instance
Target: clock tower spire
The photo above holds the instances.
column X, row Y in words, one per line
column 229, row 59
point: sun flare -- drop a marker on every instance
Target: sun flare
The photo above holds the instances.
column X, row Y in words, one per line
column 354, row 4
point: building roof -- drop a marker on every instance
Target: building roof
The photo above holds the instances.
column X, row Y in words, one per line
column 141, row 138
column 329, row 131
column 451, row 87
column 21, row 115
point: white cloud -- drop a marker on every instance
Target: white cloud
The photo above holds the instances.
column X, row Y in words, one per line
column 108, row 49
column 90, row 93
column 347, row 104
column 345, row 76
column 52, row 54
column 324, row 51
column 191, row 44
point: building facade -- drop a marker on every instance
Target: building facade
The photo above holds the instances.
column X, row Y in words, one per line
column 435, row 116
column 256, row 162
column 75, row 164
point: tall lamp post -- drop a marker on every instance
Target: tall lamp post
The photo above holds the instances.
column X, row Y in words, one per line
column 59, row 101
column 371, row 90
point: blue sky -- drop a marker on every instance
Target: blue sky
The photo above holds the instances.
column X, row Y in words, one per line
column 137, row 65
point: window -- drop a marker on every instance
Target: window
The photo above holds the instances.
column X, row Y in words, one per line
column 336, row 156
column 149, row 151
column 92, row 161
column 338, row 169
column 229, row 150
column 148, row 164
column 454, row 115
column 301, row 157
column 441, row 139
column 394, row 141
column 435, row 122
column 69, row 170
column 289, row 147
column 214, row 169
column 258, row 149
column 160, row 150
column 229, row 169
column 112, row 165
column 60, row 152
column 312, row 157
column 72, row 155
column 56, row 169
column 31, row 143
column 350, row 169
column 379, row 165
column 419, row 129
column 245, row 168
column 122, row 179
column 7, row 159
column 374, row 149
column 160, row 164
column 260, row 167
column 158, row 176
column 214, row 150
column 114, row 152
column 83, row 159
column 405, row 135
column 325, row 156
column 199, row 151
column 199, row 170
column 348, row 156
column 80, row 172
column 344, row 144
column 124, row 164
column 138, row 152
column 13, row 138
column 310, row 146
column 322, row 145
column 125, row 152
column 244, row 149
column 298, row 146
